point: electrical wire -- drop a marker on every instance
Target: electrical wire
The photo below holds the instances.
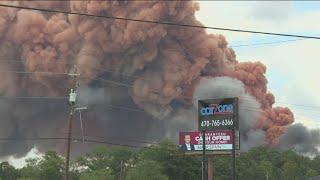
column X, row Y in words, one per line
column 186, row 97
column 101, row 80
column 156, row 22
column 34, row 97
column 117, row 138
column 38, row 72
column 119, row 84
column 159, row 22
column 131, row 86
column 265, row 43
column 86, row 140
column 124, row 84
column 67, row 63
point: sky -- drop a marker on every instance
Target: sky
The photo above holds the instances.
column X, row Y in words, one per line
column 292, row 66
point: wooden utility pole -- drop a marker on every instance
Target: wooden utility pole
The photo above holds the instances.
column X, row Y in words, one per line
column 69, row 143
column 72, row 101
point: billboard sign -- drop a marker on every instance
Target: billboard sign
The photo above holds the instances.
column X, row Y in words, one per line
column 190, row 142
column 218, row 114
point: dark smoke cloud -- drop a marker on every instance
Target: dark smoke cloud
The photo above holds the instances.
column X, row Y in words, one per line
column 160, row 65
column 301, row 139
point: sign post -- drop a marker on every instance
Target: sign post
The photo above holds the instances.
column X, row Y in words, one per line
column 218, row 133
column 210, row 168
column 234, row 155
column 219, row 114
column 235, row 116
column 203, row 155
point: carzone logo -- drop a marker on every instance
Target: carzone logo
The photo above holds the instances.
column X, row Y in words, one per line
column 216, row 109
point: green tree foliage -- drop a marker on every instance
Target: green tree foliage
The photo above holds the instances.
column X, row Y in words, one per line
column 146, row 170
column 113, row 160
column 163, row 162
column 176, row 167
column 49, row 167
column 100, row 174
column 7, row 171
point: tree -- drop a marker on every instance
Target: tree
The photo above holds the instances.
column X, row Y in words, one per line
column 49, row 167
column 7, row 171
column 31, row 170
column 175, row 166
column 100, row 174
column 163, row 162
column 312, row 173
column 146, row 170
column 316, row 164
column 266, row 168
column 113, row 160
column 95, row 159
column 291, row 171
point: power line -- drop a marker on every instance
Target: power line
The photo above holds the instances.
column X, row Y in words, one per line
column 265, row 43
column 131, row 86
column 155, row 22
column 33, row 97
column 187, row 97
column 110, row 82
column 160, row 22
column 107, row 105
column 118, row 83
column 121, row 139
column 125, row 108
column 125, row 84
column 73, row 139
column 38, row 72
column 66, row 63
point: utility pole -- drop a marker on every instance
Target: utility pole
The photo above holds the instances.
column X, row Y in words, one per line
column 72, row 102
column 69, row 143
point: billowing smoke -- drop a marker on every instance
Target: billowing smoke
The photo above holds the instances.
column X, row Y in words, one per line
column 300, row 139
column 249, row 107
column 138, row 79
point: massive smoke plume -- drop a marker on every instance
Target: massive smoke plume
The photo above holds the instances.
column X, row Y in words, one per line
column 152, row 67
column 249, row 108
column 300, row 139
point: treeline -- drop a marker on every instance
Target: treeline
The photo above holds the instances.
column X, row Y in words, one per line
column 162, row 162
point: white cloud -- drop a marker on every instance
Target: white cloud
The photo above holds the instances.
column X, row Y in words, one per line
column 222, row 14
column 278, row 17
column 308, row 122
column 293, row 65
column 271, row 11
column 298, row 59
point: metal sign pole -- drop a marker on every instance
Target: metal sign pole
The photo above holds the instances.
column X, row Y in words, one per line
column 235, row 118
column 203, row 155
column 234, row 155
column 210, row 168
column 218, row 114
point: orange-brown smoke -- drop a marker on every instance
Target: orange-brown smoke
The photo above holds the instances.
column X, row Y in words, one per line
column 164, row 62
column 272, row 120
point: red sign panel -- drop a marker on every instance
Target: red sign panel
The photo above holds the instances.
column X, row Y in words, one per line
column 215, row 140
